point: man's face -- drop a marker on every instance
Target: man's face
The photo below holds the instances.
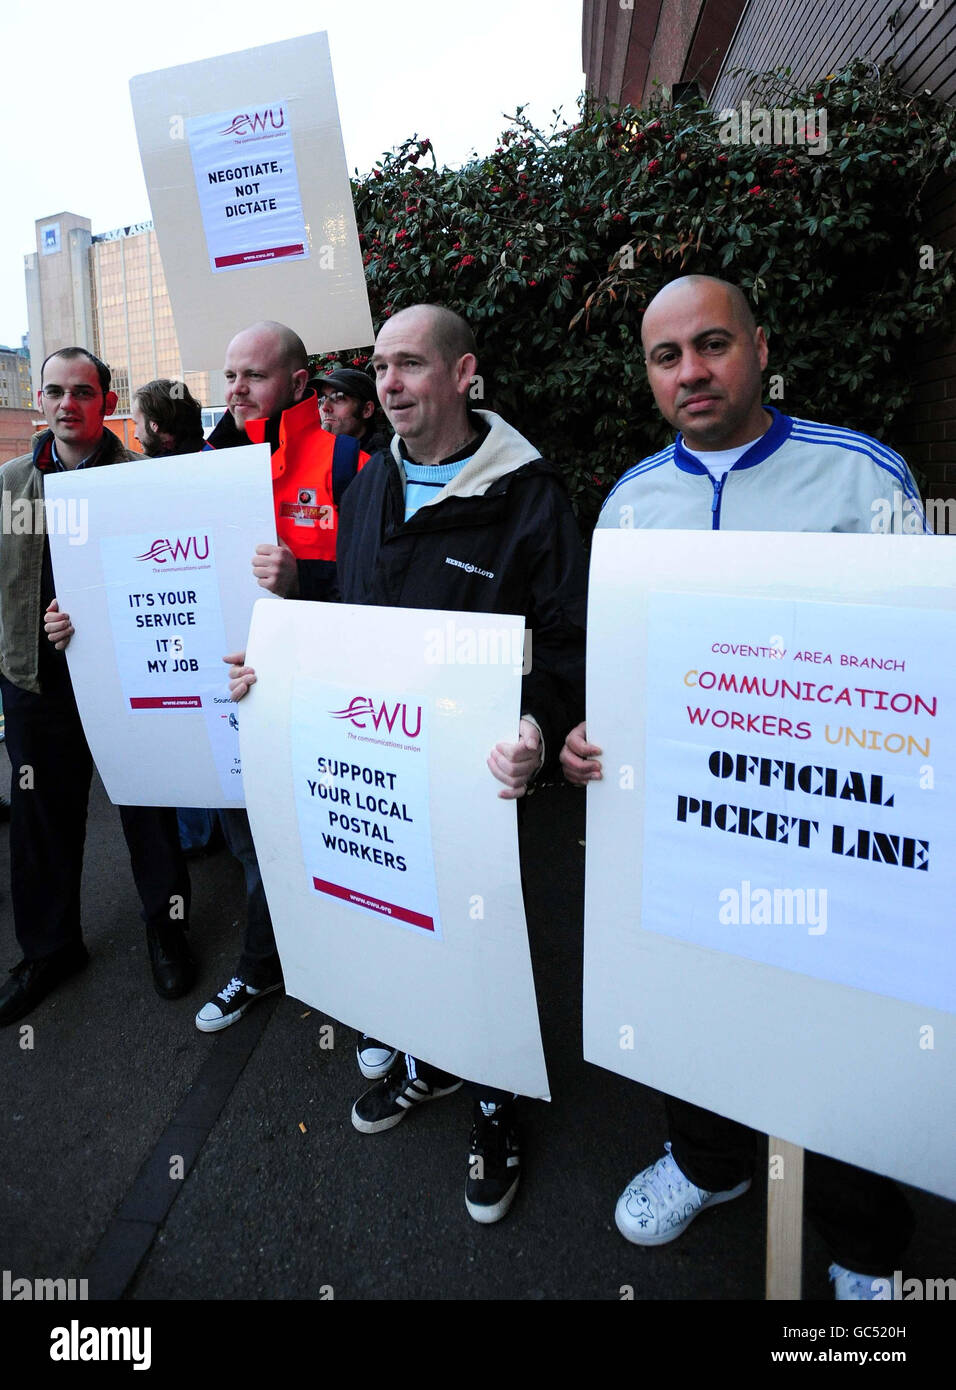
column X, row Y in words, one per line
column 73, row 403
column 418, row 389
column 153, row 442
column 704, row 367
column 259, row 379
column 343, row 414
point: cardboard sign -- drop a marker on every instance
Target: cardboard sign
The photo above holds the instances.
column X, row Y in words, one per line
column 159, row 586
column 389, row 861
column 769, row 883
column 249, row 189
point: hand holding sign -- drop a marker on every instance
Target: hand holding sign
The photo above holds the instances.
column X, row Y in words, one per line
column 58, row 627
column 241, row 677
column 516, row 763
column 274, row 566
column 580, row 758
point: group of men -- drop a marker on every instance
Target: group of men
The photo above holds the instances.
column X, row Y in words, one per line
column 453, row 482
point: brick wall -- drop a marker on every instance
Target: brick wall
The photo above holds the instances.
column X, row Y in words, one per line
column 17, row 428
column 813, row 39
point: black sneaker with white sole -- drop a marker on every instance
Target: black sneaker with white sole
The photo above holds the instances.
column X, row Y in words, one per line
column 411, row 1084
column 494, row 1162
column 374, row 1058
column 230, row 1004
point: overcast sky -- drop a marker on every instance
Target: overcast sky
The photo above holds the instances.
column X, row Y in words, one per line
column 428, row 66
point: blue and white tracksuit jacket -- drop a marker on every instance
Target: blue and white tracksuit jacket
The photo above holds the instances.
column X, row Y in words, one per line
column 799, row 476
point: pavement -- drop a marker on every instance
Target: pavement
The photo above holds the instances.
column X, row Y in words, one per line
column 163, row 1164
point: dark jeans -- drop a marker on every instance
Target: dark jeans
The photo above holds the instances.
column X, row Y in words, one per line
column 52, row 772
column 863, row 1218
column 478, row 1091
column 259, row 959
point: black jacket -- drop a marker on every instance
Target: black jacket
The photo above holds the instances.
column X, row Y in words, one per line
column 501, row 539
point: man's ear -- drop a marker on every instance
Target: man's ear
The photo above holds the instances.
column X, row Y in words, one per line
column 464, row 372
column 109, row 402
column 300, row 382
column 368, row 410
column 763, row 352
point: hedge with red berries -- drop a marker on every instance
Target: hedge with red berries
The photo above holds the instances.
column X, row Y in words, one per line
column 552, row 246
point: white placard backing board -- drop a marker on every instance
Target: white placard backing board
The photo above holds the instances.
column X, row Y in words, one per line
column 249, row 189
column 833, row 1029
column 159, row 589
column 356, row 740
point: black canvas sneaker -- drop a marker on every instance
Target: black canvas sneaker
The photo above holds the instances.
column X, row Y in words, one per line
column 230, row 1004
column 494, row 1162
column 411, row 1084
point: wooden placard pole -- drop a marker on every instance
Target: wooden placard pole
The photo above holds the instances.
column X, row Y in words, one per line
column 784, row 1221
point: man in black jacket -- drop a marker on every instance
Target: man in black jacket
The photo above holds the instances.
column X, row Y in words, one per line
column 463, row 514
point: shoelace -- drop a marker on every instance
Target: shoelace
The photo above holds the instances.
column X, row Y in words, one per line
column 233, row 987
column 666, row 1181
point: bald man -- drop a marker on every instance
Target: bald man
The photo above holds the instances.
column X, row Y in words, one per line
column 269, row 400
column 461, row 513
column 741, row 466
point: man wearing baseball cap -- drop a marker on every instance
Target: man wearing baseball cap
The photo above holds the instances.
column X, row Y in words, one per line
column 348, row 404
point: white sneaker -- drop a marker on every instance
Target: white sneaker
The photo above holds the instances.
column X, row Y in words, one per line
column 660, row 1203
column 374, row 1058
column 230, row 1004
column 847, row 1285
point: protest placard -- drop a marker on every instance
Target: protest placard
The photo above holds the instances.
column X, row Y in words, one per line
column 389, row 861
column 250, row 195
column 159, row 585
column 769, row 883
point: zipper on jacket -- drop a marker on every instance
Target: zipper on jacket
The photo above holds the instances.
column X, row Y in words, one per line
column 715, row 505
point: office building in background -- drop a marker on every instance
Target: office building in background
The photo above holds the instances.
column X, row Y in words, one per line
column 107, row 292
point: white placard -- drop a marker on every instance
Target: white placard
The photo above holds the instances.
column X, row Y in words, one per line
column 159, row 590
column 798, row 772
column 165, row 615
column 241, row 114
column 840, row 1039
column 362, row 804
column 352, row 700
column 248, row 186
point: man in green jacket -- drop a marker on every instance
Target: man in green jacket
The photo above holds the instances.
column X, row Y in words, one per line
column 52, row 766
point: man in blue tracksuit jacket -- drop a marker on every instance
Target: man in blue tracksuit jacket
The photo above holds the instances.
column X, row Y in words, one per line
column 737, row 465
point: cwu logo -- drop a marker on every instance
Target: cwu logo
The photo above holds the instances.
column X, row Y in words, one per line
column 360, row 708
column 163, row 549
column 247, row 124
